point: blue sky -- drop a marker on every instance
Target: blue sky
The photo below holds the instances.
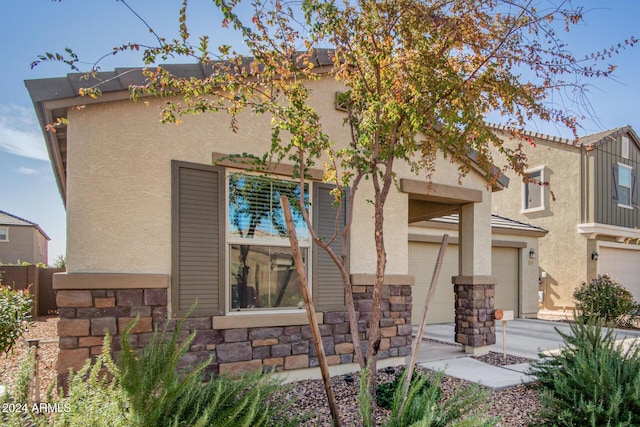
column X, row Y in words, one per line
column 93, row 27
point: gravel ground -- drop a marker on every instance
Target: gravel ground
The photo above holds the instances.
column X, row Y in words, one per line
column 499, row 359
column 44, row 329
column 515, row 406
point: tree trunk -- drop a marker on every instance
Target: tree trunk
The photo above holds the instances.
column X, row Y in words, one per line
column 374, row 322
column 311, row 312
column 425, row 310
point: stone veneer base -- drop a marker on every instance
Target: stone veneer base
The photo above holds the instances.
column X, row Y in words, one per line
column 85, row 315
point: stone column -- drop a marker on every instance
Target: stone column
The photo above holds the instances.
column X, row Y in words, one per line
column 475, row 287
column 475, row 322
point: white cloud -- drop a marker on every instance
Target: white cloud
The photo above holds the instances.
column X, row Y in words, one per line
column 27, row 171
column 20, row 133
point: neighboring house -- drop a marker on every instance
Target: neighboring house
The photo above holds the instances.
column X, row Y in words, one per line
column 22, row 241
column 154, row 227
column 588, row 201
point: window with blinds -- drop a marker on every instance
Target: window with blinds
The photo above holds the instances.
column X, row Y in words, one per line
column 230, row 251
column 261, row 270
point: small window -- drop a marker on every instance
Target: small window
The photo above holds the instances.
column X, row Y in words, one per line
column 625, row 147
column 533, row 190
column 261, row 269
column 625, row 185
column 4, row 234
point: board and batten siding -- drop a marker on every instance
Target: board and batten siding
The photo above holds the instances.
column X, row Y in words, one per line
column 606, row 209
column 198, row 212
column 328, row 286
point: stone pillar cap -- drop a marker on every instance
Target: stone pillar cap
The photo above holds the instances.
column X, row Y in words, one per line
column 474, row 280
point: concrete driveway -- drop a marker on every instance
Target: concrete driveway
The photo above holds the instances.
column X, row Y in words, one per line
column 524, row 338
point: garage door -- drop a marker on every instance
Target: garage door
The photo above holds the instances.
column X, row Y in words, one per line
column 422, row 259
column 622, row 265
column 504, row 265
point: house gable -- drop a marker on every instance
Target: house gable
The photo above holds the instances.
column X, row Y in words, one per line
column 21, row 240
column 590, row 166
column 615, row 160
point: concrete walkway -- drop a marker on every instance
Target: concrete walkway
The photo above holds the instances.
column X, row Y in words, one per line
column 524, row 338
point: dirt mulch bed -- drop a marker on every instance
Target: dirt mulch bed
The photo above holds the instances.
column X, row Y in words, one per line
column 515, row 406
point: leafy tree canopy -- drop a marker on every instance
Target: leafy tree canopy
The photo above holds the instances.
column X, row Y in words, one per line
column 422, row 75
column 420, row 78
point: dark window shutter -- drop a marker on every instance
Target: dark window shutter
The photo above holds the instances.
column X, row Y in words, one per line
column 634, row 188
column 198, row 221
column 328, row 287
column 614, row 182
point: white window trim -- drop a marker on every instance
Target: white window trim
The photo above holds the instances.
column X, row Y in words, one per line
column 542, row 206
column 630, row 168
column 6, row 233
column 229, row 240
column 625, row 147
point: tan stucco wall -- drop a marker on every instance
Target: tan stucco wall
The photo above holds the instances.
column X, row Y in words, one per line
column 563, row 251
column 396, row 224
column 25, row 244
column 119, row 183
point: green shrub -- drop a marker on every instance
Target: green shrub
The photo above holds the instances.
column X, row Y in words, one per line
column 161, row 394
column 15, row 316
column 604, row 300
column 424, row 406
column 593, row 381
column 386, row 391
column 95, row 396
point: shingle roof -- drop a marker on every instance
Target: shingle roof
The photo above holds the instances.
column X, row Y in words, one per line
column 120, row 79
column 497, row 221
column 584, row 142
column 603, row 137
column 9, row 219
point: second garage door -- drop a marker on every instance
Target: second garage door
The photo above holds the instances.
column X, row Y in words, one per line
column 622, row 265
column 422, row 259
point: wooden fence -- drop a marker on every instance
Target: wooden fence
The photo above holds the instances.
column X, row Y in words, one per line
column 38, row 280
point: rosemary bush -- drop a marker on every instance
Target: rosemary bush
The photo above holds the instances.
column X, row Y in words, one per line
column 424, row 406
column 386, row 391
column 159, row 393
column 593, row 381
column 95, row 396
